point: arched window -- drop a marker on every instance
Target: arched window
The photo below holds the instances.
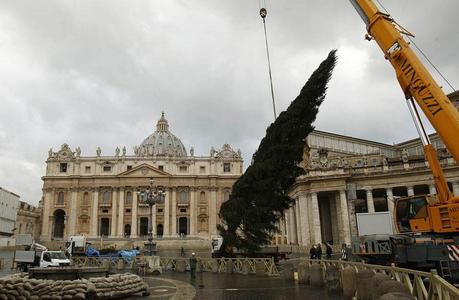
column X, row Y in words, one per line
column 107, row 196
column 86, row 198
column 128, row 200
column 60, row 198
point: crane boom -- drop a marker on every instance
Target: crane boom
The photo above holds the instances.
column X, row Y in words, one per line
column 412, row 75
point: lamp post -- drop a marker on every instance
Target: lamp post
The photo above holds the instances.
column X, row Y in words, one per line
column 151, row 196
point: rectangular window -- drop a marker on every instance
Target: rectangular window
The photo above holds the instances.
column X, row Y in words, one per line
column 129, row 167
column 202, row 169
column 107, row 168
column 161, row 168
column 160, row 210
column 63, row 167
column 105, row 211
column 128, row 210
column 226, row 167
column 183, row 168
column 87, row 169
column 183, row 210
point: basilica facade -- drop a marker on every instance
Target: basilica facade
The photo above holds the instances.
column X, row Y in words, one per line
column 99, row 196
column 346, row 175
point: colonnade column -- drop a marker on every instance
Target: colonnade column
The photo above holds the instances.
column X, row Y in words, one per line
column 345, row 217
column 174, row 213
column 114, row 223
column 317, row 232
column 192, row 212
column 390, row 205
column 456, row 188
column 370, row 202
column 390, row 200
column 73, row 211
column 213, row 211
column 410, row 190
column 167, row 200
column 298, row 221
column 93, row 231
column 134, row 215
column 121, row 213
column 293, row 225
column 287, row 226
column 46, row 210
column 304, row 221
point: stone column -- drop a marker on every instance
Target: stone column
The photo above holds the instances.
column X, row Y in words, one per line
column 174, row 213
column 317, row 232
column 213, row 211
column 113, row 223
column 345, row 217
column 303, row 207
column 370, row 203
column 287, row 226
column 121, row 213
column 293, row 231
column 299, row 228
column 94, row 230
column 167, row 212
column 432, row 189
column 410, row 190
column 390, row 200
column 153, row 219
column 135, row 207
column 192, row 212
column 456, row 188
column 390, row 206
column 73, row 212
column 46, row 210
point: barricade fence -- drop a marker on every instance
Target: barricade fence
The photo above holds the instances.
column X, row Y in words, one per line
column 259, row 266
column 422, row 285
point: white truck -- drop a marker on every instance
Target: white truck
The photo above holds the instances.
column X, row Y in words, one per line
column 373, row 243
column 37, row 255
column 76, row 245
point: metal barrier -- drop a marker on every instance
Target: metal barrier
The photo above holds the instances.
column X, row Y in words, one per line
column 264, row 266
column 422, row 285
column 226, row 265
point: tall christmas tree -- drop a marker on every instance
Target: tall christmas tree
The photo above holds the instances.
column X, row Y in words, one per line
column 260, row 196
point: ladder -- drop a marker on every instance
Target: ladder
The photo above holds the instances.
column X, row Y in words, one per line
column 445, row 269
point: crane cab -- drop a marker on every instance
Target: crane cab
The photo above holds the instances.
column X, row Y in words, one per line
column 423, row 213
column 411, row 214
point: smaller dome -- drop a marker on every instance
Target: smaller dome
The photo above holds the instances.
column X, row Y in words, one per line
column 162, row 142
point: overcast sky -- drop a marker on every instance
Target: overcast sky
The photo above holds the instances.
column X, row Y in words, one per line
column 99, row 73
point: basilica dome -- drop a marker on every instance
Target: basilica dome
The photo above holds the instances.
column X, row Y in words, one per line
column 162, row 142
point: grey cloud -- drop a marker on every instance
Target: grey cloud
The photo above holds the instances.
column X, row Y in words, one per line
column 99, row 73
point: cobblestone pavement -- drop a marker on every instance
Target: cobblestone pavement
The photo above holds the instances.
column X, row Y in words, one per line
column 208, row 286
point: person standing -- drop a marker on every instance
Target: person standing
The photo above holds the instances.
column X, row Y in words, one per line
column 193, row 264
column 344, row 255
column 329, row 250
column 319, row 251
column 312, row 252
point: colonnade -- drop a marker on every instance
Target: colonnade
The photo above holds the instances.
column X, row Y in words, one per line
column 308, row 218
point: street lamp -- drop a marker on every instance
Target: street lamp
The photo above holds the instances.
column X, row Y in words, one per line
column 151, row 196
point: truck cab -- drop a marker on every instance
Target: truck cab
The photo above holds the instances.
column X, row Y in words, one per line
column 53, row 259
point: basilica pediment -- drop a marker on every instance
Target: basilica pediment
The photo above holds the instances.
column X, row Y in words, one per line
column 144, row 170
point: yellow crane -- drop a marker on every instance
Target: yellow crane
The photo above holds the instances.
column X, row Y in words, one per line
column 427, row 225
column 438, row 214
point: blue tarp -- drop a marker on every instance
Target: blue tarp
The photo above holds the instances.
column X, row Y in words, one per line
column 127, row 255
column 90, row 251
